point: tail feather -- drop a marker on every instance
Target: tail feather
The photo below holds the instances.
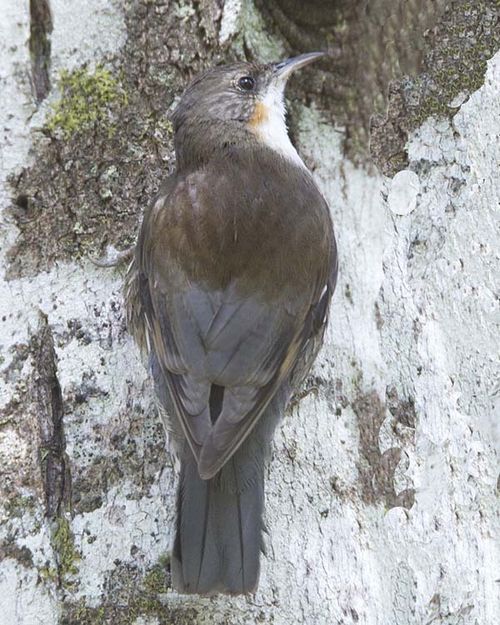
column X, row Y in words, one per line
column 219, row 521
column 219, row 531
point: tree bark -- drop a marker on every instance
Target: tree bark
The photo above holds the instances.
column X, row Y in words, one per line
column 382, row 492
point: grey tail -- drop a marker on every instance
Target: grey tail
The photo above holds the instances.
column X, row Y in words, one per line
column 219, row 530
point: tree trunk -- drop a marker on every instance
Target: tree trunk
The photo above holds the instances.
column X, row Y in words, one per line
column 381, row 494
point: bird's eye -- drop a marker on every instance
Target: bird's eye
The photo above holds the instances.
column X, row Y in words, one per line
column 246, row 83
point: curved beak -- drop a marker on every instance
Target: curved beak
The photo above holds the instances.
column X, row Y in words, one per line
column 283, row 69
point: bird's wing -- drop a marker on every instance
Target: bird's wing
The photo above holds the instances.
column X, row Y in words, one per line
column 221, row 338
column 319, row 321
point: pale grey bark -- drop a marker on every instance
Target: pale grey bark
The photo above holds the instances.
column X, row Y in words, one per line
column 381, row 495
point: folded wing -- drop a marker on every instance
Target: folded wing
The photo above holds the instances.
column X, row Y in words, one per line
column 228, row 338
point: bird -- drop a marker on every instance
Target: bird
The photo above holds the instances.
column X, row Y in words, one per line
column 228, row 294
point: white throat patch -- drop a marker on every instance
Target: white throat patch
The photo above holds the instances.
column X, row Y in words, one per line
column 269, row 125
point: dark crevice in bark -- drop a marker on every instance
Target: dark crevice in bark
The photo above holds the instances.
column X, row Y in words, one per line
column 49, row 405
column 56, row 476
column 22, row 555
column 40, row 48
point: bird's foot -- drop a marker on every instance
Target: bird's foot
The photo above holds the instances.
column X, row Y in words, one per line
column 302, row 394
column 114, row 257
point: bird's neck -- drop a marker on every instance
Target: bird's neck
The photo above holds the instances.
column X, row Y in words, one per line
column 197, row 145
column 268, row 125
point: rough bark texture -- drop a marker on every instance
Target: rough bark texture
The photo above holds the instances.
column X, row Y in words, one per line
column 381, row 497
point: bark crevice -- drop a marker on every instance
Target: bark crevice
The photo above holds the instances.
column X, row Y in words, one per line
column 40, row 47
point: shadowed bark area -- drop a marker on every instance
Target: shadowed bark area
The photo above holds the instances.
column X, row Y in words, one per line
column 372, row 43
column 40, row 29
column 409, row 58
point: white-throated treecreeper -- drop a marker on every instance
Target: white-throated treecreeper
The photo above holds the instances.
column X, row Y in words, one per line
column 228, row 293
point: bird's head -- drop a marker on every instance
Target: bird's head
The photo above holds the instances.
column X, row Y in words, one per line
column 235, row 105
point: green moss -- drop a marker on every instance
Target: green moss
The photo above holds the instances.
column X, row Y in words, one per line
column 18, row 505
column 454, row 63
column 147, row 597
column 87, row 99
column 64, row 546
column 155, row 583
column 108, row 614
column 155, row 580
column 49, row 574
column 85, row 615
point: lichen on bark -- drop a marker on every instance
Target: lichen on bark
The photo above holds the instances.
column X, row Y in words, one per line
column 107, row 142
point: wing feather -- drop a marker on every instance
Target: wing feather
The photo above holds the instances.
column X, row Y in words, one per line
column 227, row 336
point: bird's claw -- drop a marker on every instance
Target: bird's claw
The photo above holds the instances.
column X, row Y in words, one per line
column 113, row 257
